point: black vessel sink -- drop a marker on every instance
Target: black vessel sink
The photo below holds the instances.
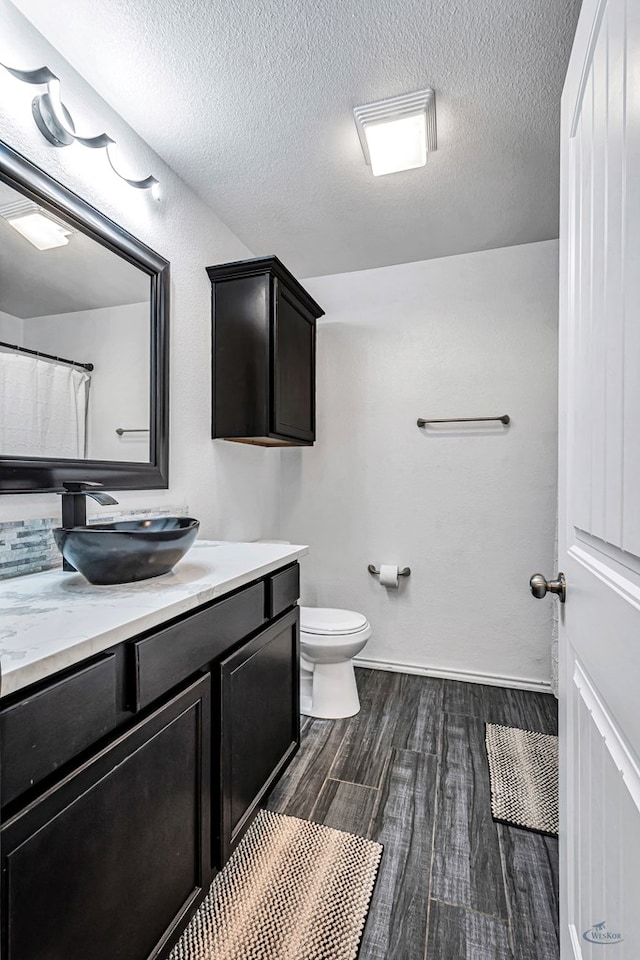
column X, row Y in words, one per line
column 127, row 550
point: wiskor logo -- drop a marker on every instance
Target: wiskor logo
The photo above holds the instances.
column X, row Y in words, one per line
column 598, row 933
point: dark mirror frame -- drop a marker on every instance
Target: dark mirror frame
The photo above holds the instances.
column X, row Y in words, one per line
column 36, row 475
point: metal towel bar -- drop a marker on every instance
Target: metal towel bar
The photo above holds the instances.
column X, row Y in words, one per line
column 503, row 419
column 121, row 430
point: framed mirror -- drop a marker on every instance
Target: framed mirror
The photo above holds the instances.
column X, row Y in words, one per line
column 84, row 342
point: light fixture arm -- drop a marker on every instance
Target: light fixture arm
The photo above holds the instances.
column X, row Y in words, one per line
column 56, row 125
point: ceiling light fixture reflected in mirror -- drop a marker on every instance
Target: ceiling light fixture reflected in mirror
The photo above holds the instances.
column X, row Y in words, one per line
column 40, row 228
column 399, row 133
column 40, row 231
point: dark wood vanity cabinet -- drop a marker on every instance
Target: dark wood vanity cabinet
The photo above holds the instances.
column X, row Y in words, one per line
column 264, row 337
column 108, row 863
column 128, row 780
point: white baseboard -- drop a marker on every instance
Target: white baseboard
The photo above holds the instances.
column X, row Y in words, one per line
column 493, row 679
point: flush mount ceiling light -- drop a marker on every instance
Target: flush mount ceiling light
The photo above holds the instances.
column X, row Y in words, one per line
column 55, row 123
column 39, row 227
column 397, row 134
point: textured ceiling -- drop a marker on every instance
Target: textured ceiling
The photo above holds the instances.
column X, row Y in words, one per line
column 250, row 102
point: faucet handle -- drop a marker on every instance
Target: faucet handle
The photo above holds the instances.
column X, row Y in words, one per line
column 79, row 486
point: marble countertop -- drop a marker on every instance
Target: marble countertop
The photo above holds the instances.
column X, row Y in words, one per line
column 50, row 621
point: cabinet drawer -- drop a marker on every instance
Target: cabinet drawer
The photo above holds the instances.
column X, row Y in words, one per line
column 169, row 656
column 283, row 590
column 55, row 724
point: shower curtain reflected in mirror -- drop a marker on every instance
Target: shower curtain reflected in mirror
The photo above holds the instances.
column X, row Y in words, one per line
column 43, row 408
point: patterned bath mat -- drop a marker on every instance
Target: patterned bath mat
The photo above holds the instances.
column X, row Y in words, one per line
column 293, row 890
column 523, row 767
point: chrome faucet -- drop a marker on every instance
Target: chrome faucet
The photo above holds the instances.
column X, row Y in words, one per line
column 74, row 504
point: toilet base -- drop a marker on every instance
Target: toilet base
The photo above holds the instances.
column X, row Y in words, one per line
column 328, row 691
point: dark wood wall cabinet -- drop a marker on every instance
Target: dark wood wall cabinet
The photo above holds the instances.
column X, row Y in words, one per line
column 264, row 354
column 128, row 780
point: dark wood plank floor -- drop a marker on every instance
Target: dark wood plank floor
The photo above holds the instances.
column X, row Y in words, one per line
column 410, row 771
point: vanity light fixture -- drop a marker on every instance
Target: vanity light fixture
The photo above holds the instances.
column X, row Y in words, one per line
column 36, row 225
column 56, row 125
column 399, row 133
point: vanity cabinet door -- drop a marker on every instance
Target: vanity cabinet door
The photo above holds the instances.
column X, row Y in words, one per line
column 108, row 863
column 259, row 725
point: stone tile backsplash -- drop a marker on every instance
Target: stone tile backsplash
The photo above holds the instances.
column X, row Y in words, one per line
column 27, row 546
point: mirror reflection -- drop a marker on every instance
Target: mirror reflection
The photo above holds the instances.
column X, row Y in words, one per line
column 86, row 312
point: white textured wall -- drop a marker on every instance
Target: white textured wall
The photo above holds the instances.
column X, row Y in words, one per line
column 232, row 488
column 10, row 329
column 116, row 341
column 472, row 514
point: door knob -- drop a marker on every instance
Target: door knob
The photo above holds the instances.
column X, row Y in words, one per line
column 541, row 586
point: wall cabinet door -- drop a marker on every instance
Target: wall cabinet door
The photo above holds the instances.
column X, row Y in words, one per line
column 259, row 724
column 294, row 359
column 107, row 863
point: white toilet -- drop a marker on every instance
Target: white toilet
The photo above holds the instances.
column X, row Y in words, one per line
column 329, row 639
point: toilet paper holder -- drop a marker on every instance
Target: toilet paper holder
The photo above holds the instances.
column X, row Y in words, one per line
column 405, row 572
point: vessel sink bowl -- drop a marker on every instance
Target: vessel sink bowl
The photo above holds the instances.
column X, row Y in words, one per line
column 127, row 550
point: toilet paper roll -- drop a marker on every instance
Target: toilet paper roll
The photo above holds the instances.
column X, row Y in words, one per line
column 389, row 575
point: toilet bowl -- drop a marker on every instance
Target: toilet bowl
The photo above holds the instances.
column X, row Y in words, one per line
column 329, row 639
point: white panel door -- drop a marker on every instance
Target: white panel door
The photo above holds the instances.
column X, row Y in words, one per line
column 599, row 486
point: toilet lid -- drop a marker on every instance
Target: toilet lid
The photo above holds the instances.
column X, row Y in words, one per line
column 322, row 620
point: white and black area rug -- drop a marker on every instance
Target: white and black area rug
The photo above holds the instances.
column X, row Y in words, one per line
column 293, row 890
column 523, row 767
